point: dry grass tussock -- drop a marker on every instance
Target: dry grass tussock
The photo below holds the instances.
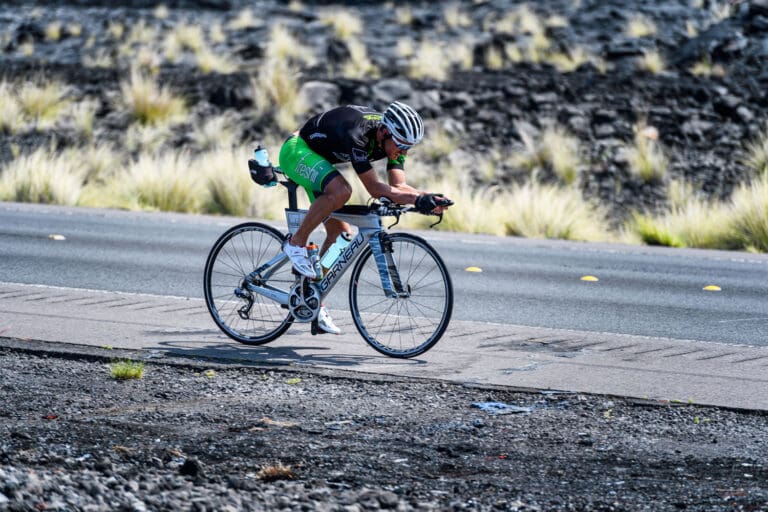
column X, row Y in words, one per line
column 166, row 182
column 275, row 88
column 640, row 26
column 82, row 115
column 455, row 16
column 345, row 24
column 42, row 104
column 757, row 153
column 551, row 211
column 147, row 138
column 570, row 60
column 434, row 60
column 42, row 177
column 216, row 181
column 532, row 43
column 529, row 210
column 750, row 214
column 429, row 61
column 282, row 45
column 11, row 116
column 476, row 210
column 439, row 143
column 741, row 223
column 215, row 132
column 245, row 19
column 97, row 163
column 208, row 61
column 646, row 158
column 705, row 67
column 229, row 189
column 695, row 223
column 554, row 148
column 404, row 13
column 653, row 62
column 53, row 31
column 149, row 103
column 359, row 65
column 187, row 37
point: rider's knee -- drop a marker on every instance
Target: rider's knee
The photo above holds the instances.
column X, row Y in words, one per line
column 338, row 192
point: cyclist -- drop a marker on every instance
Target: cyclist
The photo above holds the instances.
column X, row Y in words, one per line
column 358, row 135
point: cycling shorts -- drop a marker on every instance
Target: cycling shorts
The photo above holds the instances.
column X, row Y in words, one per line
column 305, row 167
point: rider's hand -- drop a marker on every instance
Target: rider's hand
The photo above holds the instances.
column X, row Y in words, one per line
column 432, row 203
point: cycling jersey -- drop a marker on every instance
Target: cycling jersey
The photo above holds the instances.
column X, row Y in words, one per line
column 347, row 134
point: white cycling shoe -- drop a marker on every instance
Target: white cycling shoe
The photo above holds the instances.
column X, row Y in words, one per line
column 299, row 259
column 325, row 322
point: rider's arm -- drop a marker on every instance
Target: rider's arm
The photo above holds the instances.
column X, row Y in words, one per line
column 397, row 189
column 397, row 180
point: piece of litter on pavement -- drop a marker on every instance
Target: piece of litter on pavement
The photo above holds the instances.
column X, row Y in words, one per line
column 501, row 408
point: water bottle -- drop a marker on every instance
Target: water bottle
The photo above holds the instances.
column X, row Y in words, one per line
column 313, row 252
column 261, row 156
column 334, row 251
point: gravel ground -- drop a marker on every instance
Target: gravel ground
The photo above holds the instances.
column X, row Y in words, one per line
column 205, row 435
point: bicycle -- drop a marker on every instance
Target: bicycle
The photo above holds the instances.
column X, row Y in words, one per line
column 400, row 291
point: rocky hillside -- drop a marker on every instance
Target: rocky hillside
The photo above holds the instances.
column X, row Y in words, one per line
column 690, row 76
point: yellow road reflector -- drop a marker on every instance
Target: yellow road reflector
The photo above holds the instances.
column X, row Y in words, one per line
column 712, row 288
column 57, row 237
column 473, row 269
column 591, row 279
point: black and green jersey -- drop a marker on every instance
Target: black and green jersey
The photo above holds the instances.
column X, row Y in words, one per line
column 347, row 134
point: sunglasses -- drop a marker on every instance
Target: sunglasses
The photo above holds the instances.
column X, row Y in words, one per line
column 400, row 145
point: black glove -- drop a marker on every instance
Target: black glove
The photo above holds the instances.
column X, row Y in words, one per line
column 425, row 203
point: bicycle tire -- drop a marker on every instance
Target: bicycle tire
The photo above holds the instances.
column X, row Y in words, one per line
column 402, row 327
column 236, row 253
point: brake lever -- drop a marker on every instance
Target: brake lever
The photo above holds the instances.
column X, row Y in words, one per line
column 440, row 219
column 397, row 216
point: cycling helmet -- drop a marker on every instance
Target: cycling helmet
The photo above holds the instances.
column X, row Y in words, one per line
column 403, row 123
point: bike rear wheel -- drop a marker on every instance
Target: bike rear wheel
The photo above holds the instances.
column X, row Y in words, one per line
column 409, row 325
column 237, row 253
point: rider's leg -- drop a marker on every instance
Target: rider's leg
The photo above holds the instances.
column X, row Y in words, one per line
column 314, row 174
column 333, row 228
column 327, row 191
column 335, row 194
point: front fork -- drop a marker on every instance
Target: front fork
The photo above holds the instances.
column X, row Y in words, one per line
column 393, row 286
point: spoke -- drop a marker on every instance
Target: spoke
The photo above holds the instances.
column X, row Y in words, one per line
column 225, row 263
column 227, row 274
column 369, row 306
column 435, row 309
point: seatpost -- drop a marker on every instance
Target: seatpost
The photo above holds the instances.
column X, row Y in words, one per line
column 291, row 186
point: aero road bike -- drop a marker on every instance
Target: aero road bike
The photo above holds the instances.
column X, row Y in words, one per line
column 400, row 292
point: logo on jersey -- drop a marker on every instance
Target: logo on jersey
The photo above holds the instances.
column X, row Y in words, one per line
column 359, row 155
column 344, row 157
column 318, row 135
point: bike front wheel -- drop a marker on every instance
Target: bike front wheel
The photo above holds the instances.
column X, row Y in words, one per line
column 238, row 252
column 410, row 324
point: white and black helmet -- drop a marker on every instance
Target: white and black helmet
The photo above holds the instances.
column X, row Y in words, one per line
column 404, row 123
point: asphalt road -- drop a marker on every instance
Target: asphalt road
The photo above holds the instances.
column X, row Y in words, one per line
column 642, row 291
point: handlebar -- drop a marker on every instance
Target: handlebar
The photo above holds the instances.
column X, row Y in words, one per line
column 385, row 207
